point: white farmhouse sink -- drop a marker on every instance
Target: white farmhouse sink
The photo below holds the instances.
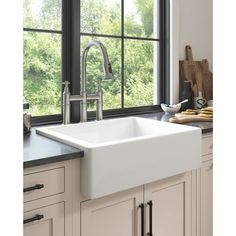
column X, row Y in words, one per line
column 128, row 152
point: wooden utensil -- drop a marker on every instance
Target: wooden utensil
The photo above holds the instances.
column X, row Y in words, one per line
column 195, row 90
column 198, row 77
column 188, row 68
column 188, row 53
column 208, row 80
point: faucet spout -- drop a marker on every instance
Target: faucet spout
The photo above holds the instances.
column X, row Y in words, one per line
column 107, row 69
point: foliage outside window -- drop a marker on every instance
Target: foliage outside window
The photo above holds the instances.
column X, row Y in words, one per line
column 42, row 56
column 128, row 29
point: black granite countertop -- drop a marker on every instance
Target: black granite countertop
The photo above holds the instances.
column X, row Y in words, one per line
column 39, row 150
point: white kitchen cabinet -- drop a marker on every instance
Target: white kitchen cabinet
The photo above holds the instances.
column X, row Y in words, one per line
column 206, row 199
column 45, row 221
column 121, row 213
column 48, row 200
column 202, row 191
column 205, row 189
column 171, row 206
column 207, row 146
column 117, row 214
column 44, row 184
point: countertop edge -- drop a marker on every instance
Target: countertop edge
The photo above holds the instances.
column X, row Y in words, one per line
column 53, row 159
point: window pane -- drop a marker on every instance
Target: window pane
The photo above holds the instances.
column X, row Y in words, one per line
column 42, row 73
column 141, row 18
column 141, row 73
column 42, row 14
column 101, row 16
column 111, row 88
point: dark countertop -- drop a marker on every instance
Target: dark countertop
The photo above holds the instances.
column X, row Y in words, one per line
column 39, row 150
column 207, row 127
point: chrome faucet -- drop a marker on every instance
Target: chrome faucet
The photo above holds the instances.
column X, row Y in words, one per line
column 83, row 97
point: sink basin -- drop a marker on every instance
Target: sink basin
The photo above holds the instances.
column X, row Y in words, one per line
column 128, row 152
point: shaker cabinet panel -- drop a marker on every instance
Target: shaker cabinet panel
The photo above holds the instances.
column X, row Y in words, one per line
column 43, row 184
column 114, row 215
column 206, row 199
column 207, row 145
column 168, row 211
column 171, row 206
column 46, row 221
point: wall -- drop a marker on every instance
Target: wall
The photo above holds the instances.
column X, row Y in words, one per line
column 196, row 28
column 192, row 23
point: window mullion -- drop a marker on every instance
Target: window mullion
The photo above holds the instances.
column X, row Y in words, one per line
column 43, row 31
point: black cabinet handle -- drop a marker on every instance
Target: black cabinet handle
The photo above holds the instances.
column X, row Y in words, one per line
column 142, row 218
column 36, row 217
column 36, row 186
column 150, row 204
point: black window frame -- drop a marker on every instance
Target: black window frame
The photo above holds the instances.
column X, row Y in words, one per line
column 71, row 62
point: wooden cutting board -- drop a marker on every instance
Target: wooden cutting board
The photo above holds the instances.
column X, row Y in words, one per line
column 188, row 69
column 181, row 119
column 197, row 72
column 199, row 81
column 207, row 80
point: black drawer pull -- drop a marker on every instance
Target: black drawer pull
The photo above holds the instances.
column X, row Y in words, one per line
column 142, row 218
column 150, row 204
column 36, row 217
column 36, row 186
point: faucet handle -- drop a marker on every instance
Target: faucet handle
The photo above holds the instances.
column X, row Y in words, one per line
column 66, row 87
column 66, row 83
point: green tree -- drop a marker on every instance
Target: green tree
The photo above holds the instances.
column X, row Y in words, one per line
column 42, row 73
column 42, row 58
column 145, row 9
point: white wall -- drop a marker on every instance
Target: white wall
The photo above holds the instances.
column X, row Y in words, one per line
column 196, row 28
column 192, row 24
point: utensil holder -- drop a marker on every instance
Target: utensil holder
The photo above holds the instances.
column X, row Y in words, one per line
column 187, row 94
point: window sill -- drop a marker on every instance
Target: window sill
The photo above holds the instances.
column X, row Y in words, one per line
column 113, row 113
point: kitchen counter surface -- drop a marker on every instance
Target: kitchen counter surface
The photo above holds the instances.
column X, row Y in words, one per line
column 207, row 127
column 39, row 150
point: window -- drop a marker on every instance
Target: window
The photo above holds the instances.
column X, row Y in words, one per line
column 132, row 32
column 42, row 56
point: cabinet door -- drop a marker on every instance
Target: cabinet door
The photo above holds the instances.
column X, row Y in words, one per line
column 117, row 214
column 171, row 209
column 45, row 221
column 206, row 199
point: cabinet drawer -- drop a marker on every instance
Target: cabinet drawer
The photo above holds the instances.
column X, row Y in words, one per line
column 43, row 184
column 207, row 145
column 45, row 221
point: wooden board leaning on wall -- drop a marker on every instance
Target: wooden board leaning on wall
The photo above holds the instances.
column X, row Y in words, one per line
column 197, row 72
